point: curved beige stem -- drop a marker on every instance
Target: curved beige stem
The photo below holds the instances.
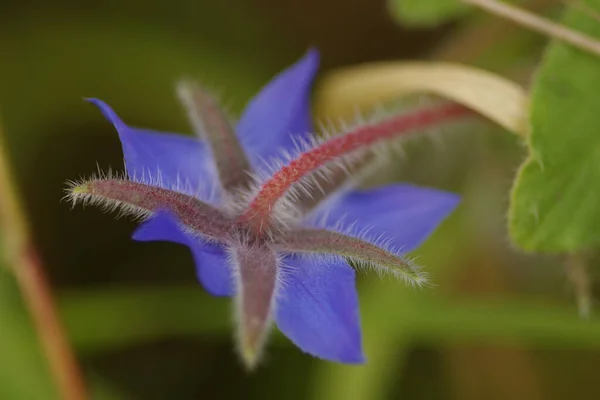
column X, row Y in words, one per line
column 497, row 98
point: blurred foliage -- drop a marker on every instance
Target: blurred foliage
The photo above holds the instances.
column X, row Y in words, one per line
column 426, row 12
column 498, row 324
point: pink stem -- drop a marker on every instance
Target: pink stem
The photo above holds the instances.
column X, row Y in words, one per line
column 25, row 263
column 38, row 297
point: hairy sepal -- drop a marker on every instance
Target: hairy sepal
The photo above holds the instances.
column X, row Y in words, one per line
column 212, row 125
column 256, row 267
column 140, row 201
column 374, row 253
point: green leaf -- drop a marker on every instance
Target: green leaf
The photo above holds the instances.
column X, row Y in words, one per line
column 555, row 204
column 425, row 12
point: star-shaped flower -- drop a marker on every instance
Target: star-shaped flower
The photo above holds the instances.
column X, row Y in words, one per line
column 270, row 215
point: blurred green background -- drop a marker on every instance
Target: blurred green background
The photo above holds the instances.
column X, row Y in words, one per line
column 498, row 325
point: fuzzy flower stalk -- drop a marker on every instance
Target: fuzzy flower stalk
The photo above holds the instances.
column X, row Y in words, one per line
column 270, row 212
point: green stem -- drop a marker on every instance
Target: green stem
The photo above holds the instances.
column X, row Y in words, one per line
column 576, row 269
column 538, row 24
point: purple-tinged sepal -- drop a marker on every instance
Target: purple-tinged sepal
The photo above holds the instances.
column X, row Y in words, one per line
column 257, row 269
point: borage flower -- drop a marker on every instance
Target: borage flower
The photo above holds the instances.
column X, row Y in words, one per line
column 267, row 214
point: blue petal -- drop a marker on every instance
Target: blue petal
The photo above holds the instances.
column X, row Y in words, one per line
column 212, row 265
column 171, row 157
column 279, row 112
column 401, row 213
column 162, row 226
column 317, row 308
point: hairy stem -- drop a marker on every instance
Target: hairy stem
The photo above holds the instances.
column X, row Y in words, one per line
column 21, row 256
column 211, row 124
column 336, row 178
column 360, row 251
column 258, row 213
column 139, row 199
